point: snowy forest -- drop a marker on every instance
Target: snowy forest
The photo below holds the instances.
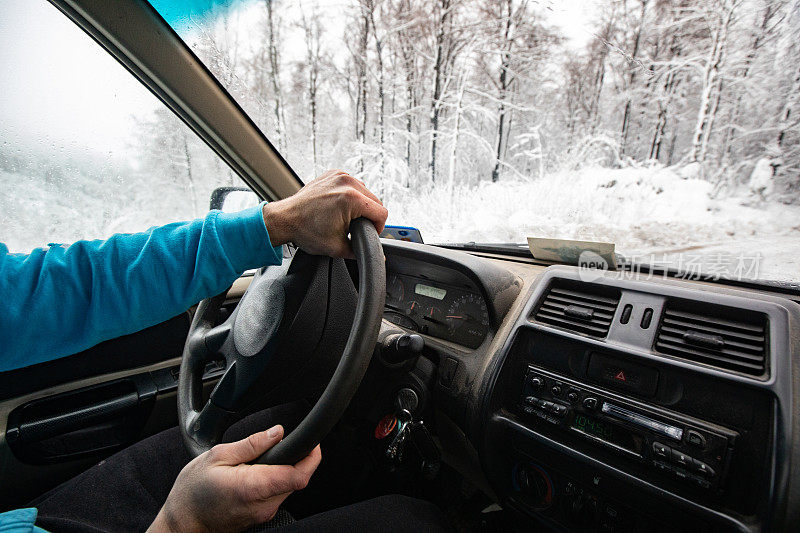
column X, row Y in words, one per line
column 659, row 125
column 463, row 92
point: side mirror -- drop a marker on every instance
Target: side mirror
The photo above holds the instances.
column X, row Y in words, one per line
column 231, row 199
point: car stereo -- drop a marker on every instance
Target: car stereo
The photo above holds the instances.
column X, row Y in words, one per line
column 692, row 451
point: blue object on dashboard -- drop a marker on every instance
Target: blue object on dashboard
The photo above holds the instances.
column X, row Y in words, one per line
column 402, row 233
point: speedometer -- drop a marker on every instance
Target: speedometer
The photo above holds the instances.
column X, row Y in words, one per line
column 468, row 320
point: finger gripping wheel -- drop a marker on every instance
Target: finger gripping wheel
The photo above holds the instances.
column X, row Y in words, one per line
column 201, row 428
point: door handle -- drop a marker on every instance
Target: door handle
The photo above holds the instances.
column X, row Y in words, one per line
column 50, row 426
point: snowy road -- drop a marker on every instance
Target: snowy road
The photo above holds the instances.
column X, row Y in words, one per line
column 776, row 257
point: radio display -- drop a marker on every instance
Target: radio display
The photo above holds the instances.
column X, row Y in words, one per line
column 608, row 432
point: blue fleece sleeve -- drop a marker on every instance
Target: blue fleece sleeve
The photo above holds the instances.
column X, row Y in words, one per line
column 19, row 521
column 64, row 299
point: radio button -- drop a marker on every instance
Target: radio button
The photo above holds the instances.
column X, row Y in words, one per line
column 532, row 400
column 695, row 438
column 558, row 409
column 662, row 450
column 680, row 458
column 542, row 404
column 537, row 382
column 702, row 468
column 573, row 396
column 590, row 403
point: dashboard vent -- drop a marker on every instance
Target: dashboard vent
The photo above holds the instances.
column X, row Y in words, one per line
column 581, row 307
column 723, row 337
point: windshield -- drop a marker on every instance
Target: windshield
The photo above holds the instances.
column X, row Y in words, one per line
column 668, row 128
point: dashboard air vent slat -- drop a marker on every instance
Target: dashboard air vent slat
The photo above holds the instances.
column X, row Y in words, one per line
column 584, row 312
column 679, row 328
column 727, row 338
column 580, row 307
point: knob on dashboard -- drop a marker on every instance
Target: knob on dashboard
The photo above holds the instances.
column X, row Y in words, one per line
column 397, row 348
column 537, row 383
column 534, row 485
column 573, row 396
column 590, row 403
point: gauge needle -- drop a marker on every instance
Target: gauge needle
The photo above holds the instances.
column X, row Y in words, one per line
column 461, row 317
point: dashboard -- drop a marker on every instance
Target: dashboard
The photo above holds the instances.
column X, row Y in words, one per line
column 437, row 309
column 616, row 404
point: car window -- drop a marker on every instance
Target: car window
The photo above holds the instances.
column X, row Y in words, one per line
column 668, row 128
column 86, row 151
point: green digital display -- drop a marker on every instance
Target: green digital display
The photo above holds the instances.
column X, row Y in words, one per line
column 608, row 432
column 594, row 427
column 430, row 292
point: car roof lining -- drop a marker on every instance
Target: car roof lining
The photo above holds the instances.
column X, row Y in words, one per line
column 135, row 34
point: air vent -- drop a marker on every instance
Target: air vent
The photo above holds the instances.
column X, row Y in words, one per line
column 723, row 337
column 581, row 307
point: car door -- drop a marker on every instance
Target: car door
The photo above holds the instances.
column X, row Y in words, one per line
column 88, row 151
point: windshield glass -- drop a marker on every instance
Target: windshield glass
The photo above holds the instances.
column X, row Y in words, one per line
column 668, row 128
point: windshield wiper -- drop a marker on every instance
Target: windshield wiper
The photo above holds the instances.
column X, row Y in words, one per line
column 507, row 248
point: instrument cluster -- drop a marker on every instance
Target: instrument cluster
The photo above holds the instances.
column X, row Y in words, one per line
column 436, row 309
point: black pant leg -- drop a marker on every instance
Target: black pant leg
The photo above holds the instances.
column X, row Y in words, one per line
column 386, row 514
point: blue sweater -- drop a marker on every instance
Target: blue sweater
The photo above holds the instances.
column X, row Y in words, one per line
column 61, row 300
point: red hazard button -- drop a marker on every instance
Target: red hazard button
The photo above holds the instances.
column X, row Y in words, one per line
column 385, row 426
column 623, row 375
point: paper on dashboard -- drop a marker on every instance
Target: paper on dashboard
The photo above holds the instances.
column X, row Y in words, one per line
column 588, row 254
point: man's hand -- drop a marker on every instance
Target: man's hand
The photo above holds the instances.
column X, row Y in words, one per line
column 318, row 217
column 218, row 492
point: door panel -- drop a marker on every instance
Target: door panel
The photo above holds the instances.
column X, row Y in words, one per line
column 61, row 417
column 158, row 343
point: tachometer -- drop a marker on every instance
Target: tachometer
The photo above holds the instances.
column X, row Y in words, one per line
column 468, row 320
column 395, row 292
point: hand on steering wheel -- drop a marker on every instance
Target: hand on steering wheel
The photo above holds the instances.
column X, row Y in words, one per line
column 253, row 339
column 217, row 492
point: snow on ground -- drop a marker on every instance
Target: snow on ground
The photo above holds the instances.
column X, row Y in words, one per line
column 642, row 210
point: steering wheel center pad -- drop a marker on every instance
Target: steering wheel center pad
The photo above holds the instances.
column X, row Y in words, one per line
column 259, row 317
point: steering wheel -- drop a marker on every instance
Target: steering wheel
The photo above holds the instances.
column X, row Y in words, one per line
column 265, row 334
